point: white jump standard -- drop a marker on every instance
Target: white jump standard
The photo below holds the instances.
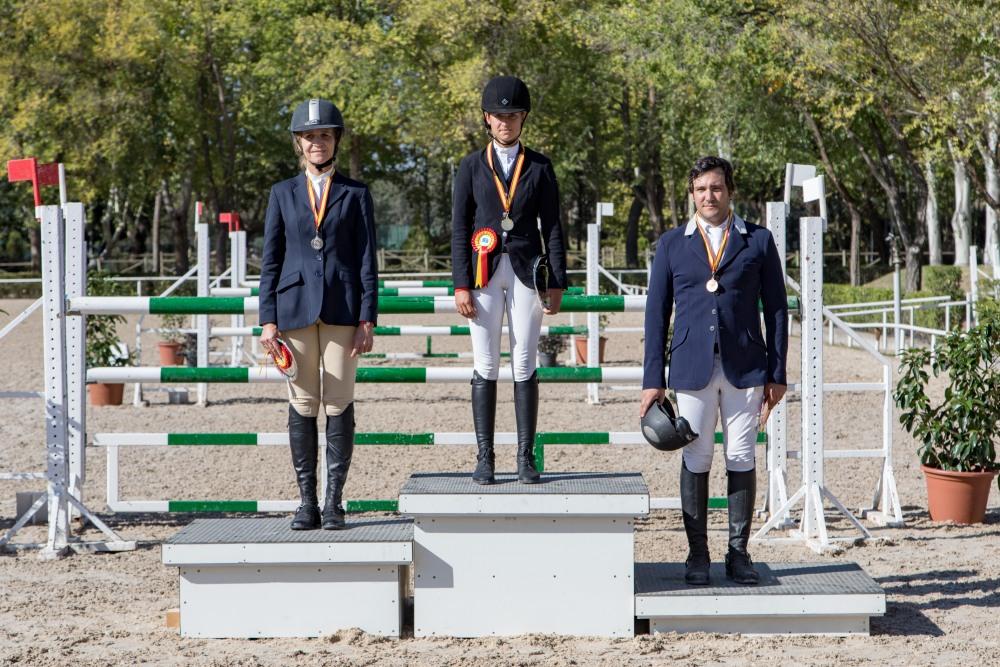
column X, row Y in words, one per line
column 243, row 578
column 509, row 558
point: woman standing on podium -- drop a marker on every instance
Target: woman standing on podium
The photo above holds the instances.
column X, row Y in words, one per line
column 505, row 219
column 319, row 292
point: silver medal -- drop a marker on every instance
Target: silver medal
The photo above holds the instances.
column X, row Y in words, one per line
column 316, row 243
column 712, row 285
column 506, row 223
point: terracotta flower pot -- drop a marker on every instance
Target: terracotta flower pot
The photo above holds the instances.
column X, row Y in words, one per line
column 101, row 393
column 581, row 349
column 170, row 354
column 957, row 496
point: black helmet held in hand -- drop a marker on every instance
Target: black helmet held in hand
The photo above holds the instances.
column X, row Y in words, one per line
column 316, row 114
column 663, row 430
column 506, row 94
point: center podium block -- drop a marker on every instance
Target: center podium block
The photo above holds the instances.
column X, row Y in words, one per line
column 555, row 557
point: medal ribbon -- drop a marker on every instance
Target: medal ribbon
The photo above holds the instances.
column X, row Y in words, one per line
column 318, row 212
column 506, row 198
column 483, row 241
column 715, row 259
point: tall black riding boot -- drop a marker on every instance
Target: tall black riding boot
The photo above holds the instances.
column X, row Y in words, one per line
column 484, row 417
column 526, row 415
column 339, row 450
column 742, row 489
column 694, row 505
column 303, row 441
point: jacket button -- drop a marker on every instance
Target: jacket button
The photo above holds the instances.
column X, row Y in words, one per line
column 712, row 328
column 319, row 274
column 713, row 311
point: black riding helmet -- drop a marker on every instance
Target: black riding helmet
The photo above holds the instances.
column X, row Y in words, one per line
column 663, row 430
column 316, row 114
column 506, row 94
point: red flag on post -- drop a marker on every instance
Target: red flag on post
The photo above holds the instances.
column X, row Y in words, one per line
column 25, row 169
column 48, row 174
column 231, row 218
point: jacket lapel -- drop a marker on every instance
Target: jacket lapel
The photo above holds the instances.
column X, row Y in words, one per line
column 337, row 192
column 697, row 246
column 737, row 243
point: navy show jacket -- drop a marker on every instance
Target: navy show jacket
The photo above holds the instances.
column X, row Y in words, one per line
column 750, row 270
column 476, row 204
column 337, row 284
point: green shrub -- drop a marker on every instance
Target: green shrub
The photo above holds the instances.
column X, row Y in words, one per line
column 960, row 433
column 103, row 344
column 938, row 280
column 834, row 294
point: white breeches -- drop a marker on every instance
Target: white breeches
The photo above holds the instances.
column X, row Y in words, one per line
column 740, row 411
column 505, row 293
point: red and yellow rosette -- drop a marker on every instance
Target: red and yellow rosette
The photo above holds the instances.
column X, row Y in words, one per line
column 483, row 242
column 284, row 360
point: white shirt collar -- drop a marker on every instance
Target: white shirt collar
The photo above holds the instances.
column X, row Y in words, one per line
column 738, row 223
column 508, row 152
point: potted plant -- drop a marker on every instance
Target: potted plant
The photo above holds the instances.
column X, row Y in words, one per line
column 104, row 347
column 171, row 347
column 581, row 342
column 549, row 348
column 958, row 436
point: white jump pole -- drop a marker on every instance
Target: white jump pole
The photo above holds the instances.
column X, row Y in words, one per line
column 57, row 398
column 813, row 491
column 204, row 271
column 777, row 427
column 237, row 243
column 593, row 288
column 76, row 286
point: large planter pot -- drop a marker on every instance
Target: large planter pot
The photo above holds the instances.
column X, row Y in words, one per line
column 957, row 496
column 581, row 349
column 170, row 353
column 547, row 359
column 101, row 393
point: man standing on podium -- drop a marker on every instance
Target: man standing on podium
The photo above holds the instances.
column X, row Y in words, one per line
column 717, row 269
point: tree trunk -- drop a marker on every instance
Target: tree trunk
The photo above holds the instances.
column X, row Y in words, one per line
column 855, row 242
column 993, row 188
column 933, row 224
column 355, row 157
column 156, row 231
column 961, row 219
column 632, row 233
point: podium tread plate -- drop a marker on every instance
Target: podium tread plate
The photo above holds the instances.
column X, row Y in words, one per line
column 838, row 578
column 276, row 530
column 569, row 483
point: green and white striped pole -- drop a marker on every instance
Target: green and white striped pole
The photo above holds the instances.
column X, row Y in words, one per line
column 112, row 441
column 417, row 375
column 389, row 305
column 382, row 291
column 411, row 330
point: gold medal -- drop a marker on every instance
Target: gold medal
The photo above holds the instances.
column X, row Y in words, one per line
column 506, row 198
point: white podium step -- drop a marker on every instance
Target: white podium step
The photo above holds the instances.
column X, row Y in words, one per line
column 792, row 598
column 510, row 558
column 258, row 578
